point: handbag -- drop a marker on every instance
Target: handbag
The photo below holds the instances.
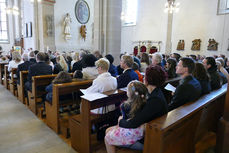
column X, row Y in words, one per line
column 107, row 120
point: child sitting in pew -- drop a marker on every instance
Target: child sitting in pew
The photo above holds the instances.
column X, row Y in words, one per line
column 62, row 77
column 137, row 97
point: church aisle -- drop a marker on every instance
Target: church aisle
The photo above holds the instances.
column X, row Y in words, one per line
column 22, row 132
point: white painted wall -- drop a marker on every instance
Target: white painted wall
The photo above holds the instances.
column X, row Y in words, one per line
column 200, row 21
column 28, row 11
column 60, row 10
column 197, row 19
column 151, row 25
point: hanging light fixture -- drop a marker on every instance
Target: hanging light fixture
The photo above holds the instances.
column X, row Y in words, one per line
column 12, row 10
column 171, row 7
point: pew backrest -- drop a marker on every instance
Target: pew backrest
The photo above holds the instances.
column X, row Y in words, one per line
column 178, row 130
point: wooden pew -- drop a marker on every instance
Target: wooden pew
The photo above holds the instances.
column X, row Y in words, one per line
column 2, row 65
column 52, row 110
column 21, row 86
column 13, row 82
column 181, row 128
column 36, row 94
column 80, row 125
column 222, row 140
column 6, row 77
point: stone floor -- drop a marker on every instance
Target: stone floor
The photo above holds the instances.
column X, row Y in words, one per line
column 22, row 132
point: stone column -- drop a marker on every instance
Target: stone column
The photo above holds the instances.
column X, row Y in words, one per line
column 107, row 25
column 168, row 45
column 41, row 11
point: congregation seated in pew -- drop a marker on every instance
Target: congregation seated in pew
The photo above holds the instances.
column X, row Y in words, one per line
column 39, row 68
column 104, row 82
column 128, row 74
column 28, row 61
column 155, row 106
column 62, row 77
column 189, row 88
column 210, row 65
column 200, row 73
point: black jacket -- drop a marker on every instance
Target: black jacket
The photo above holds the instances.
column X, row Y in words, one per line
column 155, row 106
column 23, row 67
column 77, row 66
column 215, row 78
column 188, row 90
column 37, row 69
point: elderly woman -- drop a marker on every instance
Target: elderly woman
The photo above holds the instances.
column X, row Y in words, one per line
column 157, row 59
column 104, row 82
column 16, row 60
column 155, row 106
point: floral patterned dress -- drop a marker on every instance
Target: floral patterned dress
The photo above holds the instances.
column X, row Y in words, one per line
column 122, row 136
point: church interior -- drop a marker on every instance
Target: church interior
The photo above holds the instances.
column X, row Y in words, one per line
column 112, row 76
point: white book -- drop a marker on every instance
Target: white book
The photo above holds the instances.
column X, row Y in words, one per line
column 170, row 87
column 93, row 96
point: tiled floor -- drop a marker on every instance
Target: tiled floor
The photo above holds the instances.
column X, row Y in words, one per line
column 22, row 132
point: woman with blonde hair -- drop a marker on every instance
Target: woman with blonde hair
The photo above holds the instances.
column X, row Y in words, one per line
column 16, row 60
column 61, row 65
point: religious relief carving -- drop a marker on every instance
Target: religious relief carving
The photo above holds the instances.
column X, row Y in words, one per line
column 49, row 25
column 196, row 44
column 212, row 45
column 67, row 27
column 180, row 45
column 83, row 31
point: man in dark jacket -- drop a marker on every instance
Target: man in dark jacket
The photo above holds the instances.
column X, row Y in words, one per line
column 128, row 74
column 79, row 65
column 211, row 67
column 189, row 88
column 40, row 68
column 28, row 61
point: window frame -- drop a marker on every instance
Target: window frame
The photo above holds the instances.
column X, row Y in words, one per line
column 2, row 41
column 127, row 24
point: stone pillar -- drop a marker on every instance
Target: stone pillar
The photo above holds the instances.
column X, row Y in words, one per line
column 113, row 29
column 107, row 26
column 168, row 45
column 41, row 11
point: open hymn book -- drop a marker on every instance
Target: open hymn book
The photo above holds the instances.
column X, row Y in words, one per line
column 91, row 96
column 170, row 87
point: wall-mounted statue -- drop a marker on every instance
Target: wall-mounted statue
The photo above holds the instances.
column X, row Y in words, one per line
column 49, row 25
column 83, row 32
column 67, row 27
column 196, row 44
column 180, row 45
column 212, row 45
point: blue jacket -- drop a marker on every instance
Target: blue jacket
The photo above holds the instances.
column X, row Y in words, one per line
column 113, row 70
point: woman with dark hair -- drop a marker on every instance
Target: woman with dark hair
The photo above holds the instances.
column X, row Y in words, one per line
column 112, row 69
column 200, row 73
column 144, row 62
column 171, row 64
column 89, row 69
column 62, row 77
column 154, row 107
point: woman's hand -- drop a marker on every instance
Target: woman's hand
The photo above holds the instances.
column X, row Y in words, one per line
column 120, row 117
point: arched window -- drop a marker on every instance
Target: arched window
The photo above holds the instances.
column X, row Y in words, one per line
column 129, row 12
column 3, row 22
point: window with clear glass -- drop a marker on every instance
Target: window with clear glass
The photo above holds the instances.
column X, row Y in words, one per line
column 129, row 12
column 3, row 22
